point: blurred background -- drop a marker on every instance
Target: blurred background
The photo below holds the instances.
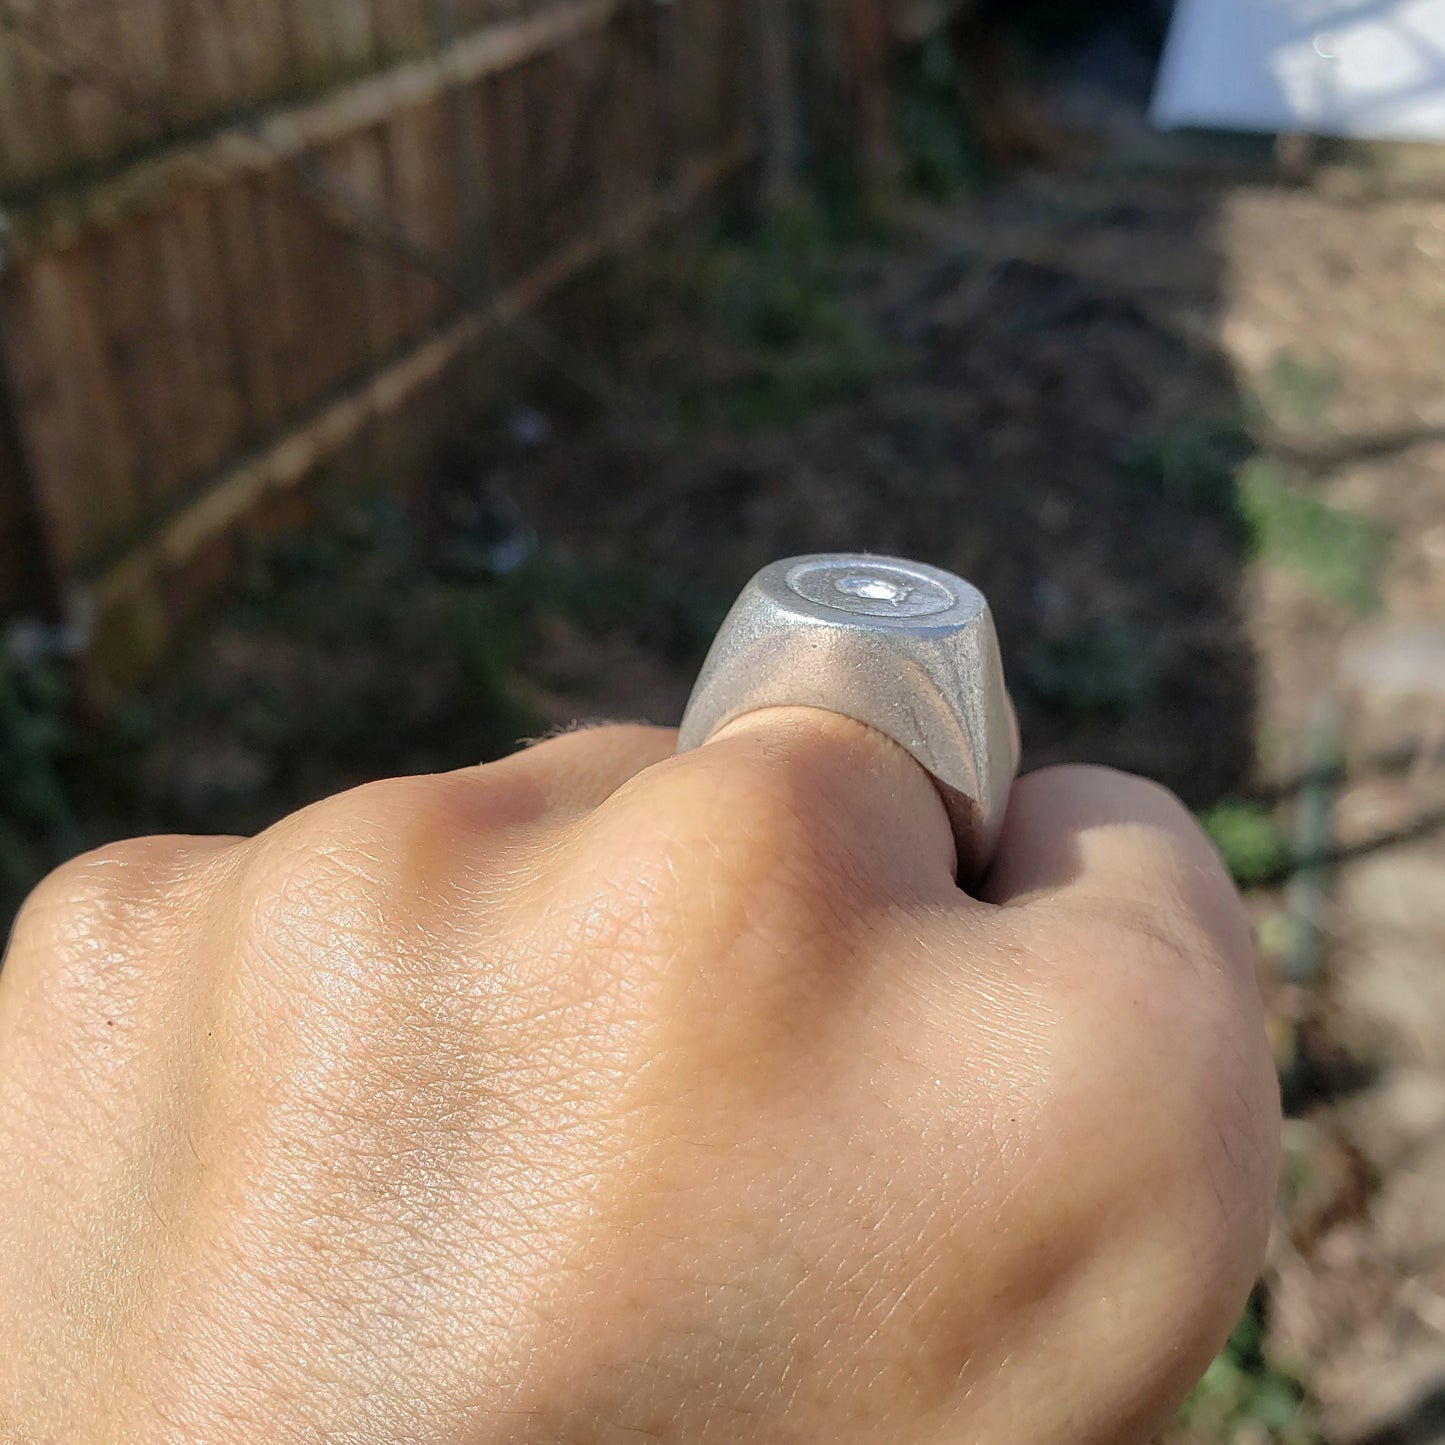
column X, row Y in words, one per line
column 383, row 382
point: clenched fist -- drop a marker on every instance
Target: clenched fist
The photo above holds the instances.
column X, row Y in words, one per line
column 601, row 1096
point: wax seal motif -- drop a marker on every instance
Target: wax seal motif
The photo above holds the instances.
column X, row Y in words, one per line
column 906, row 648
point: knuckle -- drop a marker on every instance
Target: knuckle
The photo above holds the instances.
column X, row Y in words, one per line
column 99, row 891
column 87, row 937
column 386, row 873
column 403, row 829
column 756, row 823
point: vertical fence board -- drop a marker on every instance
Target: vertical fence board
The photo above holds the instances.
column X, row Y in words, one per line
column 143, row 56
column 326, row 292
column 402, row 27
column 347, row 250
column 355, row 32
column 289, row 234
column 274, row 210
column 361, row 164
column 41, row 125
column 551, row 102
column 137, row 352
column 313, row 40
column 181, row 380
column 253, row 303
column 628, row 145
column 19, row 146
column 208, row 339
column 424, row 208
column 201, row 73
column 582, row 86
column 100, row 113
column 257, row 46
column 501, row 125
column 703, row 61
column 67, row 412
column 535, row 223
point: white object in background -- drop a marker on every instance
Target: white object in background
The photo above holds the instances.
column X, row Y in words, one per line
column 1371, row 69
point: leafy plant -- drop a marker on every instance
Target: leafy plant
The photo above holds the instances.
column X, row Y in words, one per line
column 1339, row 553
column 1195, row 463
column 1248, row 839
column 1303, row 390
column 1100, row 669
column 1245, row 1387
column 780, row 286
column 942, row 156
column 769, row 313
column 37, row 821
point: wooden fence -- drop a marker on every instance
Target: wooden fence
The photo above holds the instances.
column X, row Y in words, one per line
column 244, row 234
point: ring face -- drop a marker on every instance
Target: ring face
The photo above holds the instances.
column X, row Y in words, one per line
column 903, row 647
column 865, row 587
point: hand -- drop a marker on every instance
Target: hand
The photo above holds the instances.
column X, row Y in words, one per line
column 599, row 1095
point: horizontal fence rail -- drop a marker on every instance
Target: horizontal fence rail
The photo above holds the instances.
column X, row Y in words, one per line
column 240, row 289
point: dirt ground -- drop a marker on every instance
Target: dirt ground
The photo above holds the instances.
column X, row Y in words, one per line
column 1177, row 407
column 1088, row 352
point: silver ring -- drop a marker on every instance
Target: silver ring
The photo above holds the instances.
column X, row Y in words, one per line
column 903, row 647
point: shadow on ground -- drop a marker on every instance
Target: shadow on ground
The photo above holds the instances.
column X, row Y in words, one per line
column 1048, row 415
column 1024, row 387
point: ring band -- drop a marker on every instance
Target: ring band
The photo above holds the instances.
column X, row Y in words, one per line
column 903, row 647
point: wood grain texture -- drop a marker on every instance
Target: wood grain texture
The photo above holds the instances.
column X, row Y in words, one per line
column 67, row 410
column 214, row 320
column 82, row 81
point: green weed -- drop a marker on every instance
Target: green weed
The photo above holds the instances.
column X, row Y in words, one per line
column 1300, row 390
column 1194, row 463
column 782, row 285
column 774, row 337
column 1104, row 669
column 1340, row 554
column 37, row 818
column 1244, row 1387
column 1248, row 839
column 942, row 156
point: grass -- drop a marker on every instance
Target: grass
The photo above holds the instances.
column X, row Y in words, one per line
column 942, row 158
column 1300, row 390
column 770, row 336
column 1246, row 1394
column 1248, row 839
column 37, row 737
column 1339, row 554
column 1195, row 463
column 1102, row 670
column 1212, row 464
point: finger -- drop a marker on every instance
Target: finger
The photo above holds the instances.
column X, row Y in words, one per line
column 1162, row 1102
column 1078, row 834
column 579, row 770
column 839, row 790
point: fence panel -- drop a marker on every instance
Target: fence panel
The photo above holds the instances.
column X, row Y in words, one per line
column 206, row 324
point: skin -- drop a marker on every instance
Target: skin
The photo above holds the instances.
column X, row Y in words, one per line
column 599, row 1095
